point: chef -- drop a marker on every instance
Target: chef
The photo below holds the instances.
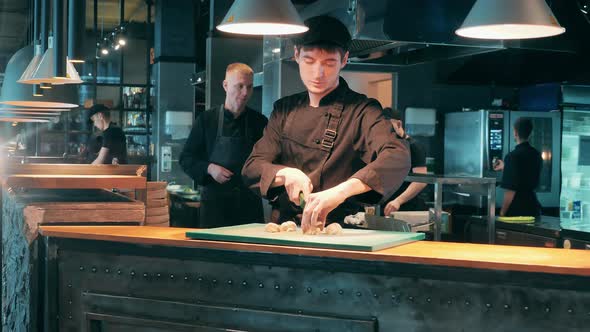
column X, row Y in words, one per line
column 521, row 172
column 214, row 153
column 328, row 146
column 114, row 142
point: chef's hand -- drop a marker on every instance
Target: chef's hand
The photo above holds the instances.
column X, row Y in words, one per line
column 392, row 207
column 499, row 165
column 295, row 181
column 317, row 207
column 219, row 173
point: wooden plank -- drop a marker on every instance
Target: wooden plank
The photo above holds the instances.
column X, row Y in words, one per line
column 156, row 203
column 156, row 185
column 74, row 169
column 76, row 181
column 157, row 219
column 154, row 194
column 468, row 255
column 127, row 206
column 159, row 211
column 34, row 215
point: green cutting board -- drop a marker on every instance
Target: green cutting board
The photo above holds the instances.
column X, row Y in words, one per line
column 350, row 239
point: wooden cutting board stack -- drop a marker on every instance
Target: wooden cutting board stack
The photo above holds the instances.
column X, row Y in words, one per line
column 157, row 212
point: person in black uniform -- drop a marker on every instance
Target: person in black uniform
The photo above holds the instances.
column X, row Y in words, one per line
column 214, row 154
column 405, row 198
column 114, row 146
column 329, row 146
column 521, row 171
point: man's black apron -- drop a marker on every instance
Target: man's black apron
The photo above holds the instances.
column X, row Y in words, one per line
column 230, row 203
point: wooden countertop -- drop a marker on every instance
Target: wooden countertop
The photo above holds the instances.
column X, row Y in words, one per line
column 480, row 256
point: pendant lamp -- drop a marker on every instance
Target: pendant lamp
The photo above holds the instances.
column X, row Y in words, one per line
column 21, row 95
column 45, row 72
column 19, row 119
column 510, row 19
column 25, row 113
column 262, row 17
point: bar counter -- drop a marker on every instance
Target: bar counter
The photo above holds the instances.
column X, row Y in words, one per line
column 127, row 277
column 467, row 255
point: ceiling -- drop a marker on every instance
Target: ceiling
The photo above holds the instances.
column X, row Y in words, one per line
column 13, row 28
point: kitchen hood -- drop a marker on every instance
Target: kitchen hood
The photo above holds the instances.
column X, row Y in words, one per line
column 403, row 33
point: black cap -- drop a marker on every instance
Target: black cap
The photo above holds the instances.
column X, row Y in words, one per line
column 324, row 30
column 98, row 108
column 392, row 114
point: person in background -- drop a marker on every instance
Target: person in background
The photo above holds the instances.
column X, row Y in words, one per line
column 521, row 171
column 114, row 146
column 219, row 143
column 327, row 145
column 406, row 197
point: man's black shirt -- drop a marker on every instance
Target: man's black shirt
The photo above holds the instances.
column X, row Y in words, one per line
column 194, row 158
column 522, row 169
column 114, row 139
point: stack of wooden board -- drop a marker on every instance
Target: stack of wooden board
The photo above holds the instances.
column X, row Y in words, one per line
column 157, row 212
column 77, row 207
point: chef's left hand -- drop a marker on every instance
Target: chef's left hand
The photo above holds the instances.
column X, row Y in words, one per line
column 317, row 207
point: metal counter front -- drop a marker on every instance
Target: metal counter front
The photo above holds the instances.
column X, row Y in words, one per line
column 134, row 278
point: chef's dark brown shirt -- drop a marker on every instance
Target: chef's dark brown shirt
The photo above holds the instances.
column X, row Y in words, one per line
column 364, row 147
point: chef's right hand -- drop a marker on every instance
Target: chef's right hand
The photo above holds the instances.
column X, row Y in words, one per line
column 219, row 173
column 499, row 165
column 295, row 181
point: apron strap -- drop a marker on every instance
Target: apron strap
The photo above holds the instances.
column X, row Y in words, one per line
column 219, row 132
column 334, row 115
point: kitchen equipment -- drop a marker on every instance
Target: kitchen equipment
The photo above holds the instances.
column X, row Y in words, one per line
column 385, row 224
column 474, row 139
column 575, row 161
column 351, row 239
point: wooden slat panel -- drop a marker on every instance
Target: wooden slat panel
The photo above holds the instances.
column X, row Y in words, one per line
column 154, row 194
column 156, row 185
column 157, row 219
column 156, row 203
column 159, row 211
column 76, row 181
column 511, row 258
column 92, row 215
column 35, row 215
column 127, row 206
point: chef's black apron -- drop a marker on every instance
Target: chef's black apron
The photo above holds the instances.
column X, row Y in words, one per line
column 316, row 156
column 230, row 203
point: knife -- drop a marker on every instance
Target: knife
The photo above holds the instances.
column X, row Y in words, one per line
column 385, row 224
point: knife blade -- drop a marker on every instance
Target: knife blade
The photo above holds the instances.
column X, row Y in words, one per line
column 386, row 224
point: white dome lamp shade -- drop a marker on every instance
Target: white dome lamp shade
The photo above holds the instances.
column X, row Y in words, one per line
column 21, row 95
column 262, row 17
column 510, row 19
column 45, row 71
